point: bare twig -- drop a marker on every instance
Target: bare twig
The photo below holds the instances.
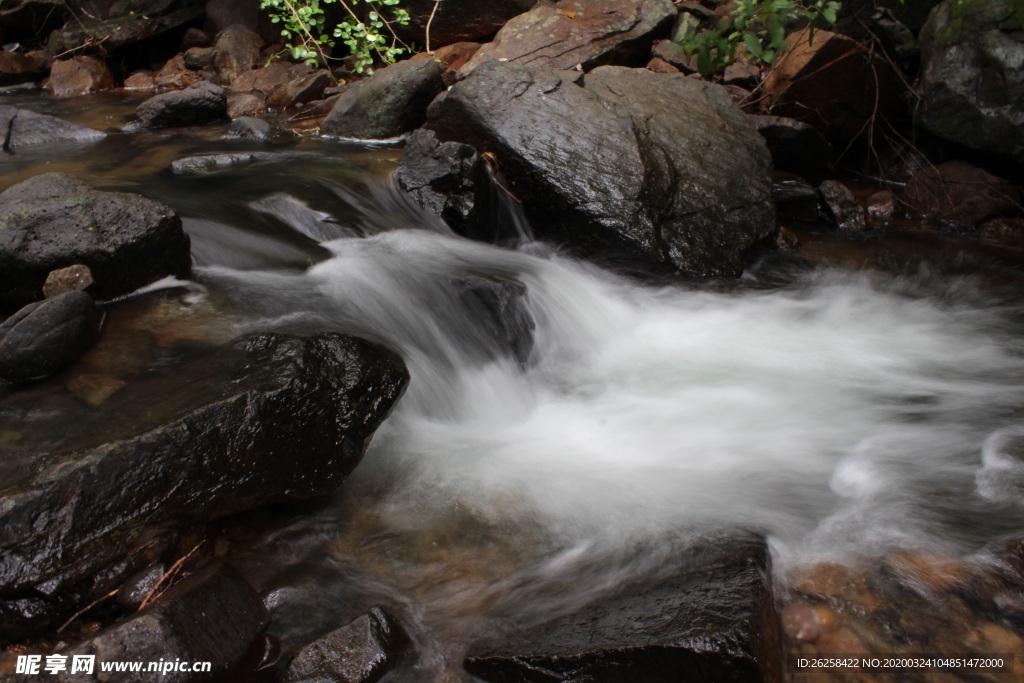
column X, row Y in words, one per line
column 168, row 574
column 86, row 609
column 430, row 20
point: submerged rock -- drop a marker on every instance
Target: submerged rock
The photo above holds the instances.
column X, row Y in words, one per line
column 21, row 128
column 212, row 616
column 259, row 130
column 391, row 102
column 44, row 337
column 55, row 220
column 503, row 310
column 274, row 418
column 360, row 652
column 587, row 33
column 713, row 621
column 661, row 167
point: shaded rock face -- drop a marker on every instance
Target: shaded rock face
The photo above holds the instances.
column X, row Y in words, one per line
column 360, row 652
column 459, row 20
column 197, row 104
column 115, row 24
column 79, row 76
column 795, row 146
column 589, row 33
column 833, row 84
column 211, row 616
column 392, row 102
column 30, row 20
column 236, row 443
column 711, row 622
column 972, row 75
column 658, row 166
column 960, row 194
column 56, row 220
column 18, row 68
column 21, row 128
column 46, row 336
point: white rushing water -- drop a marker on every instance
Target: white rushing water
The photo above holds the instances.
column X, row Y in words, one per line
column 844, row 414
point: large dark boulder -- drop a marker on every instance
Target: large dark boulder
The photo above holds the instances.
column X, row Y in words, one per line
column 360, row 652
column 112, row 25
column 393, row 101
column 972, row 75
column 44, row 337
column 712, row 620
column 212, row 616
column 580, row 32
column 458, row 20
column 197, row 104
column 56, row 220
column 273, row 418
column 21, row 128
column 660, row 166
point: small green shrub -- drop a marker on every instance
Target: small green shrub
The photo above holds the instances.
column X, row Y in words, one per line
column 369, row 35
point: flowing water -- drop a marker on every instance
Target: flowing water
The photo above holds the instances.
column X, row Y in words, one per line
column 852, row 409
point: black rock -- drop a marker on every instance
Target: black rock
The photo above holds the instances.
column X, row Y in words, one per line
column 21, row 128
column 502, row 308
column 712, row 621
column 662, row 167
column 795, row 198
column 841, row 206
column 71, row 511
column 259, row 130
column 139, row 586
column 796, row 147
column 360, row 652
column 200, row 103
column 44, row 337
column 212, row 616
column 122, row 26
column 393, row 101
column 55, row 220
column 449, row 180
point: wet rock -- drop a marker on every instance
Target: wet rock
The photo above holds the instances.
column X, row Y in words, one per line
column 458, row 20
column 95, row 388
column 451, row 58
column 22, row 128
column 661, row 167
column 841, row 206
column 199, row 58
column 300, row 91
column 795, row 146
column 174, row 74
column 197, row 104
column 237, row 51
column 449, row 180
column 211, row 163
column 577, row 32
column 242, row 105
column 360, row 652
column 972, row 81
column 827, row 580
column 806, row 622
column 795, row 198
column 881, row 207
column 503, row 309
column 46, row 336
column 262, row 398
column 1007, row 232
column 260, row 130
column 55, row 220
column 211, row 616
column 713, row 621
column 76, row 278
column 79, row 76
column 393, row 101
column 959, row 194
column 673, row 53
column 18, row 68
column 833, row 84
column 127, row 27
column 139, row 586
column 140, row 80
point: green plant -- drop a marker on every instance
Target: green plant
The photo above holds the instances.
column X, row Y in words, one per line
column 369, row 35
column 758, row 25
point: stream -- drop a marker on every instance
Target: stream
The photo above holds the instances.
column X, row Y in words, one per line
column 862, row 404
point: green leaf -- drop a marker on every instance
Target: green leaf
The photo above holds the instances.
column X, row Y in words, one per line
column 753, row 44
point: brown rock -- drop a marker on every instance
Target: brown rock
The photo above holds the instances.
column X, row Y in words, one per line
column 238, row 51
column 174, row 74
column 824, row 580
column 18, row 68
column 841, row 641
column 76, row 278
column 832, row 83
column 300, row 91
column 926, row 573
column 881, row 207
column 78, row 76
column 94, row 388
column 194, row 37
column 587, row 33
column 805, row 622
column 787, row 239
column 263, row 80
column 743, row 74
column 140, row 80
column 199, row 58
column 673, row 53
column 957, row 192
column 246, row 104
column 451, row 58
column 1007, row 232
column 660, row 66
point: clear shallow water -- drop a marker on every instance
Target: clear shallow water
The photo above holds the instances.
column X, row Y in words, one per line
column 847, row 411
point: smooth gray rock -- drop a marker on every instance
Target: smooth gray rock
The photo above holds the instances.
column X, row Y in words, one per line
column 661, row 167
column 21, row 128
column 972, row 75
column 56, row 220
column 47, row 336
column 391, row 102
